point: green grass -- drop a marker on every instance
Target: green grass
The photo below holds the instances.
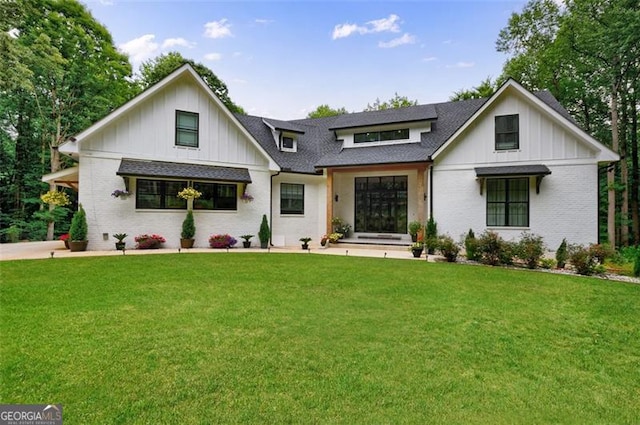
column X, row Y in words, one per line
column 299, row 338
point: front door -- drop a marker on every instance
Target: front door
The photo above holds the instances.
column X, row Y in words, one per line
column 381, row 204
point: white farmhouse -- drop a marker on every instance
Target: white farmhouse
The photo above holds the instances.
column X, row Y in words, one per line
column 511, row 163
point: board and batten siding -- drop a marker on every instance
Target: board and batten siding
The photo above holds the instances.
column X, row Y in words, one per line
column 567, row 205
column 148, row 130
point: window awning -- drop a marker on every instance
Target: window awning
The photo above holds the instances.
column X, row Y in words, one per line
column 175, row 170
column 534, row 170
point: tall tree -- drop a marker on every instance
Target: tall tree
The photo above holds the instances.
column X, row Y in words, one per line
column 326, row 111
column 587, row 55
column 75, row 76
column 159, row 67
column 483, row 90
column 396, row 101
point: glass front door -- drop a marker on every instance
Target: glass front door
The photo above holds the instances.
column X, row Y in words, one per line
column 381, row 204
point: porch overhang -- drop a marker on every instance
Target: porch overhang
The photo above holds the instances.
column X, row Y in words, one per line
column 533, row 170
column 65, row 178
column 175, row 170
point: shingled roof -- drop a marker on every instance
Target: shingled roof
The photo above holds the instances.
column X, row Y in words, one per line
column 142, row 168
column 318, row 146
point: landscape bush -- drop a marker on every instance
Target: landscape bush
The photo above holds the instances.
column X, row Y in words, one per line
column 601, row 252
column 530, row 249
column 448, row 248
column 561, row 254
column 490, row 248
column 582, row 260
column 471, row 246
column 222, row 241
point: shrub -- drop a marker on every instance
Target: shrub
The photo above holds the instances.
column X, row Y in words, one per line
column 490, row 246
column 561, row 254
column 582, row 260
column 431, row 235
column 547, row 263
column 188, row 226
column 78, row 230
column 471, row 246
column 636, row 265
column 508, row 252
column 530, row 249
column 448, row 248
column 149, row 241
column 264, row 232
column 222, row 241
column 601, row 251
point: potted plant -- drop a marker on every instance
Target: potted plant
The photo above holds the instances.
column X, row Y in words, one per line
column 416, row 249
column 247, row 240
column 222, row 241
column 147, row 241
column 305, row 242
column 65, row 238
column 78, row 231
column 188, row 231
column 415, row 227
column 264, row 232
column 121, row 243
column 339, row 226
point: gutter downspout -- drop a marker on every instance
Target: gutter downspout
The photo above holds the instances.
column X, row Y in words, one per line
column 271, row 207
column 431, row 190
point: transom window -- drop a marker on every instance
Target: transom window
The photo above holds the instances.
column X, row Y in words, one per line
column 187, row 129
column 216, row 196
column 381, row 136
column 508, row 202
column 291, row 198
column 507, row 132
column 159, row 194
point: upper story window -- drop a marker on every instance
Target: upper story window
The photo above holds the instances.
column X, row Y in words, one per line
column 187, row 129
column 507, row 132
column 381, row 136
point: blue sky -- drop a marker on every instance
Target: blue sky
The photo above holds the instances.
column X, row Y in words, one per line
column 282, row 59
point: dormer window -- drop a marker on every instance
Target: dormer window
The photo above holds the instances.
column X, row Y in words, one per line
column 288, row 144
column 381, row 136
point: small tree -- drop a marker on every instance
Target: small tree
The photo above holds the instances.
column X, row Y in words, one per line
column 431, row 235
column 188, row 226
column 264, row 232
column 561, row 254
column 79, row 228
column 471, row 246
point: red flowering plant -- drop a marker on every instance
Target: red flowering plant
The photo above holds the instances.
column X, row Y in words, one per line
column 64, row 237
column 149, row 241
column 222, row 241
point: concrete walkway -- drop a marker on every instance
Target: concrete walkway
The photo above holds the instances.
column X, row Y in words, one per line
column 40, row 250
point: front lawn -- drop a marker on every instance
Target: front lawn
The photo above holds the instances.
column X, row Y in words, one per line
column 300, row 338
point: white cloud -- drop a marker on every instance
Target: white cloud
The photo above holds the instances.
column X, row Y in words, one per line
column 217, row 29
column 345, row 30
column 462, row 65
column 264, row 21
column 390, row 24
column 385, row 24
column 141, row 48
column 429, row 59
column 447, row 42
column 239, row 81
column 405, row 39
column 172, row 42
column 213, row 56
column 237, row 54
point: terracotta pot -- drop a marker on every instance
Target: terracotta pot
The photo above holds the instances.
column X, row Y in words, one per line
column 186, row 243
column 76, row 246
